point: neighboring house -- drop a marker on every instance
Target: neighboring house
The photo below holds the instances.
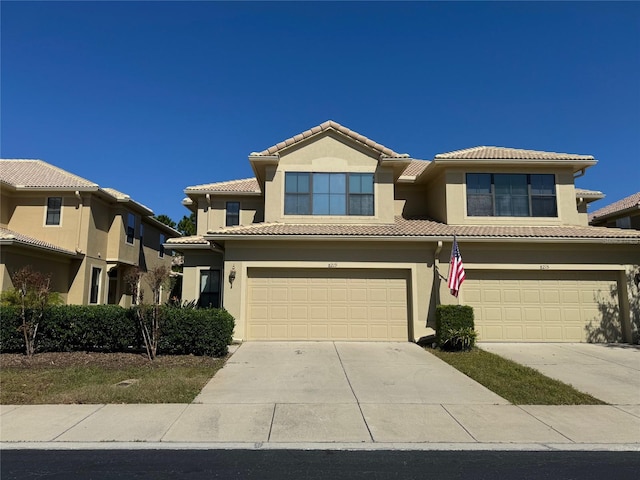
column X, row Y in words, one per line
column 624, row 213
column 90, row 239
column 340, row 238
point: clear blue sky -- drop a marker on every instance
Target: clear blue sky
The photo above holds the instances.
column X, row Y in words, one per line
column 151, row 97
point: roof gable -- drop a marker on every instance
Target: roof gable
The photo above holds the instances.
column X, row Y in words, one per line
column 324, row 127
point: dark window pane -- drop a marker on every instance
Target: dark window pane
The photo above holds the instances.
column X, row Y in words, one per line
column 543, row 206
column 54, row 207
column 543, row 185
column 296, row 182
column 361, row 205
column 209, row 289
column 479, row 183
column 503, row 205
column 233, row 214
column 479, row 205
column 520, row 206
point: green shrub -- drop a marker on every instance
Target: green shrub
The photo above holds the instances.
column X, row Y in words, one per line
column 110, row 328
column 455, row 326
column 207, row 331
column 463, row 338
column 11, row 339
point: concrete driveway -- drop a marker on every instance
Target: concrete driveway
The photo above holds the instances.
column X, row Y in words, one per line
column 610, row 372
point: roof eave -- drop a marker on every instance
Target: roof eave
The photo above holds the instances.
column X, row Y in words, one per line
column 577, row 164
column 424, row 238
column 7, row 242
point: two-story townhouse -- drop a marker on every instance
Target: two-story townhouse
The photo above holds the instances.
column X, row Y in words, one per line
column 338, row 237
column 88, row 238
column 624, row 213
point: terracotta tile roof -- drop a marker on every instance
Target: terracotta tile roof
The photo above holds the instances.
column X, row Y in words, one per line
column 583, row 192
column 245, row 185
column 425, row 227
column 415, row 168
column 504, row 153
column 39, row 174
column 9, row 236
column 330, row 125
column 626, row 203
column 191, row 240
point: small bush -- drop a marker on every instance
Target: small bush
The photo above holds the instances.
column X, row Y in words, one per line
column 455, row 327
column 463, row 338
column 207, row 331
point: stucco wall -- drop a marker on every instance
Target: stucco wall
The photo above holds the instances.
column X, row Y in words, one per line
column 328, row 153
column 456, row 199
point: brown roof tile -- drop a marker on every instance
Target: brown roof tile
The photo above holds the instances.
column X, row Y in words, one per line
column 190, row 240
column 246, row 185
column 616, row 207
column 583, row 192
column 415, row 168
column 39, row 174
column 330, row 125
column 424, row 227
column 9, row 236
column 504, row 153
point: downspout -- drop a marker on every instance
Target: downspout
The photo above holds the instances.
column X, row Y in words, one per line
column 580, row 174
column 436, row 271
column 80, row 206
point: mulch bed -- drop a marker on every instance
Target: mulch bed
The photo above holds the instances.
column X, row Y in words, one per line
column 105, row 360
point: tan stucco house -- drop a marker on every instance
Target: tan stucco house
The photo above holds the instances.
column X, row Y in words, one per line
column 87, row 237
column 338, row 237
column 624, row 213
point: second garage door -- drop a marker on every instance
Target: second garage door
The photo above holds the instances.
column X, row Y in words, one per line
column 540, row 306
column 327, row 304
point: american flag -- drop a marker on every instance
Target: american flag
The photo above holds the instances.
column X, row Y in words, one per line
column 456, row 270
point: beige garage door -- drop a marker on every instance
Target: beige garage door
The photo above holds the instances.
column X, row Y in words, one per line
column 542, row 306
column 327, row 304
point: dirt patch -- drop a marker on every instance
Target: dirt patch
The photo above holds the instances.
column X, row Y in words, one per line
column 105, row 360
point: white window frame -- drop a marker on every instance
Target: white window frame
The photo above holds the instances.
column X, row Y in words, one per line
column 46, row 212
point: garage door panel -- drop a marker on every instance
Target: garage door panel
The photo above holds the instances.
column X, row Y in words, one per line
column 314, row 304
column 537, row 306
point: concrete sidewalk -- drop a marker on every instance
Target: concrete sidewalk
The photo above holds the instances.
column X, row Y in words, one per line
column 326, row 395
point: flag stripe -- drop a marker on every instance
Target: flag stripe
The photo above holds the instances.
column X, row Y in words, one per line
column 456, row 270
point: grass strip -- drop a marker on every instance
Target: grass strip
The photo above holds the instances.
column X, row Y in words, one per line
column 87, row 384
column 516, row 383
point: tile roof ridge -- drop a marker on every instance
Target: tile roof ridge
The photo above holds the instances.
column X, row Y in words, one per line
column 223, row 182
column 324, row 126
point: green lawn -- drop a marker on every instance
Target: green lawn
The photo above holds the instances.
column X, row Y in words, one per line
column 166, row 380
column 516, row 383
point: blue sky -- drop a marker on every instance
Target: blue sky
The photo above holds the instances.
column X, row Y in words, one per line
column 151, row 97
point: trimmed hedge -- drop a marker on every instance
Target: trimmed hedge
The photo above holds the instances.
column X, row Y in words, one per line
column 111, row 328
column 455, row 326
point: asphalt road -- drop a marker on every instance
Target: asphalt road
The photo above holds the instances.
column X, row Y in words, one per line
column 318, row 464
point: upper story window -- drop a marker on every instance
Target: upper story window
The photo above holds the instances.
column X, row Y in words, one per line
column 624, row 222
column 54, row 210
column 131, row 228
column 511, row 195
column 163, row 238
column 233, row 214
column 328, row 194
